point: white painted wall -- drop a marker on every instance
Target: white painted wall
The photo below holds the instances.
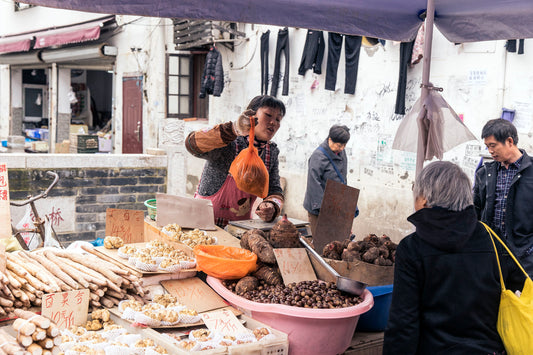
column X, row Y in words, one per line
column 37, row 18
column 147, row 59
column 5, row 102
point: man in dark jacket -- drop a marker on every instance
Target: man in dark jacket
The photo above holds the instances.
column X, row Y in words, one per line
column 503, row 191
column 446, row 291
column 328, row 162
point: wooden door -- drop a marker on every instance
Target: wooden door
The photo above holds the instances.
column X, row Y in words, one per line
column 132, row 134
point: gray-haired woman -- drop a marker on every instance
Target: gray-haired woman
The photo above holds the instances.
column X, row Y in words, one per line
column 446, row 282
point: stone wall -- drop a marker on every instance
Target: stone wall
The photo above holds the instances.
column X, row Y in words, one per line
column 77, row 204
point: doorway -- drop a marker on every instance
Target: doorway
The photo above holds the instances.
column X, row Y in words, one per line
column 132, row 134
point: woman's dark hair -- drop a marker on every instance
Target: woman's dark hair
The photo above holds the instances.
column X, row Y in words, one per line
column 266, row 101
column 501, row 130
column 339, row 134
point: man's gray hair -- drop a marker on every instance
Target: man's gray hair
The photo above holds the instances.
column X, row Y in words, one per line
column 444, row 184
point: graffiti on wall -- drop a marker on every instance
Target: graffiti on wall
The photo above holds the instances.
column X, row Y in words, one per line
column 60, row 212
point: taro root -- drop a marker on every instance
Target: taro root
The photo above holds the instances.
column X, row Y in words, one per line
column 372, row 239
column 384, row 238
column 247, row 234
column 371, row 249
column 364, row 246
column 383, row 251
column 348, row 255
column 284, row 234
column 354, row 246
column 390, row 245
column 269, row 274
column 333, row 250
column 262, row 248
column 370, row 255
column 345, row 243
column 247, row 283
column 382, row 261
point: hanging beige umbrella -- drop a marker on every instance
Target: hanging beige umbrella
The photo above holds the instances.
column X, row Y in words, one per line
column 441, row 129
column 432, row 121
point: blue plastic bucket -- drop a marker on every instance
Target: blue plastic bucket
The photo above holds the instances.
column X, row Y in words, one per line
column 375, row 320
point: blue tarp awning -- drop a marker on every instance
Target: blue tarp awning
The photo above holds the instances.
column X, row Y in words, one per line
column 458, row 20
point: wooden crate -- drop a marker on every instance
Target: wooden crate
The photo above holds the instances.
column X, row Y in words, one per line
column 373, row 275
column 83, row 143
column 151, row 231
column 366, row 344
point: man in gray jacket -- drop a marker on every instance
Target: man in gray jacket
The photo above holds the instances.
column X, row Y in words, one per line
column 328, row 161
column 503, row 191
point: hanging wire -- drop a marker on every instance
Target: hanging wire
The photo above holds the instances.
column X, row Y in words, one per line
column 253, row 54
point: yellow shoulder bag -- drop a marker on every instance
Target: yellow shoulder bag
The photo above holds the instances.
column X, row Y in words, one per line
column 515, row 316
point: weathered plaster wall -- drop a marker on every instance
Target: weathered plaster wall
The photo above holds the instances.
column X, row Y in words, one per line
column 141, row 52
column 5, row 108
column 478, row 80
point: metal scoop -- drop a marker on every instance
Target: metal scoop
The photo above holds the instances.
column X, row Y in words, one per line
column 343, row 283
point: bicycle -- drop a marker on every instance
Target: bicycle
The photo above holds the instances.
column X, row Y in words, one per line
column 38, row 223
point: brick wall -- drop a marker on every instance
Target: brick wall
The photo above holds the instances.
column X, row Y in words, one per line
column 93, row 190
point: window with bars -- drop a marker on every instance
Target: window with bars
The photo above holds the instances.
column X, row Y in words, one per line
column 184, row 75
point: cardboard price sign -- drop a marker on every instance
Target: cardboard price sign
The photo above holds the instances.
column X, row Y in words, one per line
column 294, row 265
column 66, row 308
column 194, row 293
column 5, row 212
column 126, row 224
column 223, row 322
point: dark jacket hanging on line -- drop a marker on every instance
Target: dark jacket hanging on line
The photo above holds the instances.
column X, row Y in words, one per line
column 213, row 77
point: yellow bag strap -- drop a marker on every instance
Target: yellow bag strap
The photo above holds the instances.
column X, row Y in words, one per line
column 493, row 235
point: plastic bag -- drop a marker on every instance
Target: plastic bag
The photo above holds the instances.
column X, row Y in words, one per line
column 11, row 244
column 49, row 239
column 515, row 315
column 225, row 262
column 98, row 242
column 32, row 240
column 248, row 170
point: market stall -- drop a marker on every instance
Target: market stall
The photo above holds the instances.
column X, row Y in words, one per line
column 138, row 293
column 122, row 314
column 153, row 284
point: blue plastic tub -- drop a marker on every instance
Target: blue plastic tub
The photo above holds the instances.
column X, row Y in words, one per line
column 375, row 320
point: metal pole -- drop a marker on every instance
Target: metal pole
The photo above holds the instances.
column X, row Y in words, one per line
column 422, row 136
column 430, row 14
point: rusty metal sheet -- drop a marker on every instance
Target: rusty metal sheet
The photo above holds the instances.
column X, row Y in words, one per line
column 336, row 214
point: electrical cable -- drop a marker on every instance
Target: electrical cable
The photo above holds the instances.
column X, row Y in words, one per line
column 253, row 54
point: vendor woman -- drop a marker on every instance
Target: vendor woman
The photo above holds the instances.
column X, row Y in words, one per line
column 221, row 144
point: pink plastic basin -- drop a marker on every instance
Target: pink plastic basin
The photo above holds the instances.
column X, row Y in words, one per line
column 310, row 331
